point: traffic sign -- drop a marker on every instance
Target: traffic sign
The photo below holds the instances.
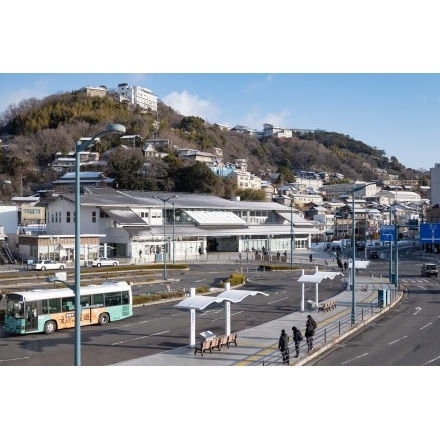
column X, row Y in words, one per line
column 429, row 233
column 388, row 233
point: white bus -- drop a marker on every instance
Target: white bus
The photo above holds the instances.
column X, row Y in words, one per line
column 48, row 310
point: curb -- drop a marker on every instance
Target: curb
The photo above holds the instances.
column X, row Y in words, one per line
column 340, row 338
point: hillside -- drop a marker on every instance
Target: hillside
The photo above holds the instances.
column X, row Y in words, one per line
column 35, row 130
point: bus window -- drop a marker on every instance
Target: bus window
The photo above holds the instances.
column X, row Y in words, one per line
column 98, row 300
column 19, row 310
column 113, row 299
column 125, row 298
column 85, row 301
column 44, row 307
column 54, row 305
column 67, row 304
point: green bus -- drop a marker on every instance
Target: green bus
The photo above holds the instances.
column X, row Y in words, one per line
column 48, row 310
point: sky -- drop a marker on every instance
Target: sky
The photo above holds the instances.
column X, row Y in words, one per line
column 330, row 65
column 397, row 113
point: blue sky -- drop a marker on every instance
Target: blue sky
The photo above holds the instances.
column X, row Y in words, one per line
column 397, row 113
column 338, row 66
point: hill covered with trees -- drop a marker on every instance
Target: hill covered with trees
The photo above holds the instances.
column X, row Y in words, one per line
column 34, row 130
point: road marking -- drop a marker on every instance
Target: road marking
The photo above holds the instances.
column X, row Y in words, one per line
column 278, row 300
column 140, row 337
column 432, row 360
column 417, row 310
column 14, row 359
column 427, row 325
column 357, row 357
column 397, row 340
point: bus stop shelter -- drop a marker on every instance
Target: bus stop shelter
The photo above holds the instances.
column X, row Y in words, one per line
column 196, row 303
column 315, row 278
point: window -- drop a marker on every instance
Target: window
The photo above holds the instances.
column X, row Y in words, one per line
column 67, row 304
column 54, row 305
column 68, row 217
column 98, row 300
column 113, row 299
column 93, row 216
column 85, row 301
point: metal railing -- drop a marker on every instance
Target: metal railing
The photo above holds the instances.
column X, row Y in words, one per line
column 326, row 334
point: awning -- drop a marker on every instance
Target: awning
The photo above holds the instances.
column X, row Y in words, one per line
column 124, row 216
column 215, row 218
column 201, row 302
column 317, row 277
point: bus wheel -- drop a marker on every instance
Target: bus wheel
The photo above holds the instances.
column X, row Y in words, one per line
column 104, row 319
column 50, row 327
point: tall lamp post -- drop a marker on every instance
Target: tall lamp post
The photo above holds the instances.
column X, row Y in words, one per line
column 174, row 232
column 164, row 200
column 292, row 235
column 353, row 249
column 111, row 128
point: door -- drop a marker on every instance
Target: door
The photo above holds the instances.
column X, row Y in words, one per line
column 31, row 316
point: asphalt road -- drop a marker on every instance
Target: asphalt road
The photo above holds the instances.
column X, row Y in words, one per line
column 160, row 327
column 406, row 336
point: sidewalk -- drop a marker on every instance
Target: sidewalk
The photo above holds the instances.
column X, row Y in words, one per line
column 257, row 346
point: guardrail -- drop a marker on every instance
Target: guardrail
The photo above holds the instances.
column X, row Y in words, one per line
column 328, row 334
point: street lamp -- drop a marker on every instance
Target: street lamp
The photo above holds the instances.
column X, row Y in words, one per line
column 292, row 235
column 164, row 200
column 390, row 271
column 174, row 234
column 82, row 146
column 353, row 249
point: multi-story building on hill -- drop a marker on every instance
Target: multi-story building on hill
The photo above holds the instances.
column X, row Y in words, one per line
column 137, row 95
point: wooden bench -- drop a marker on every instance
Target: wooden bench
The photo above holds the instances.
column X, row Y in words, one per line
column 203, row 346
column 218, row 343
column 326, row 307
column 232, row 339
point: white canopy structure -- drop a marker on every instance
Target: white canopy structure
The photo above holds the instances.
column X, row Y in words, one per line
column 316, row 278
column 194, row 303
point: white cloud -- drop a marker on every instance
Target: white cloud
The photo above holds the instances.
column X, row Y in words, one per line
column 256, row 122
column 191, row 105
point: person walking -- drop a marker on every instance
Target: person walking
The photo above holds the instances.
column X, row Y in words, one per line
column 311, row 258
column 283, row 346
column 297, row 338
column 310, row 332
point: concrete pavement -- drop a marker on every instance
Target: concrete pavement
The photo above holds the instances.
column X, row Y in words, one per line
column 257, row 346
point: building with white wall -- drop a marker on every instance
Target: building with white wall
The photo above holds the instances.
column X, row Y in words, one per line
column 137, row 95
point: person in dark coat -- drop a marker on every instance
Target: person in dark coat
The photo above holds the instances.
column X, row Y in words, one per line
column 310, row 332
column 297, row 338
column 283, row 346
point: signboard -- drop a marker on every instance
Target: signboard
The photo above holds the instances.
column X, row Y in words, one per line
column 429, row 233
column 388, row 233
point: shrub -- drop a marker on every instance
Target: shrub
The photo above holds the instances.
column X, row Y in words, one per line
column 235, row 279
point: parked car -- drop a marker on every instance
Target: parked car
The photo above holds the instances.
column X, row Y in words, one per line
column 48, row 265
column 104, row 261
